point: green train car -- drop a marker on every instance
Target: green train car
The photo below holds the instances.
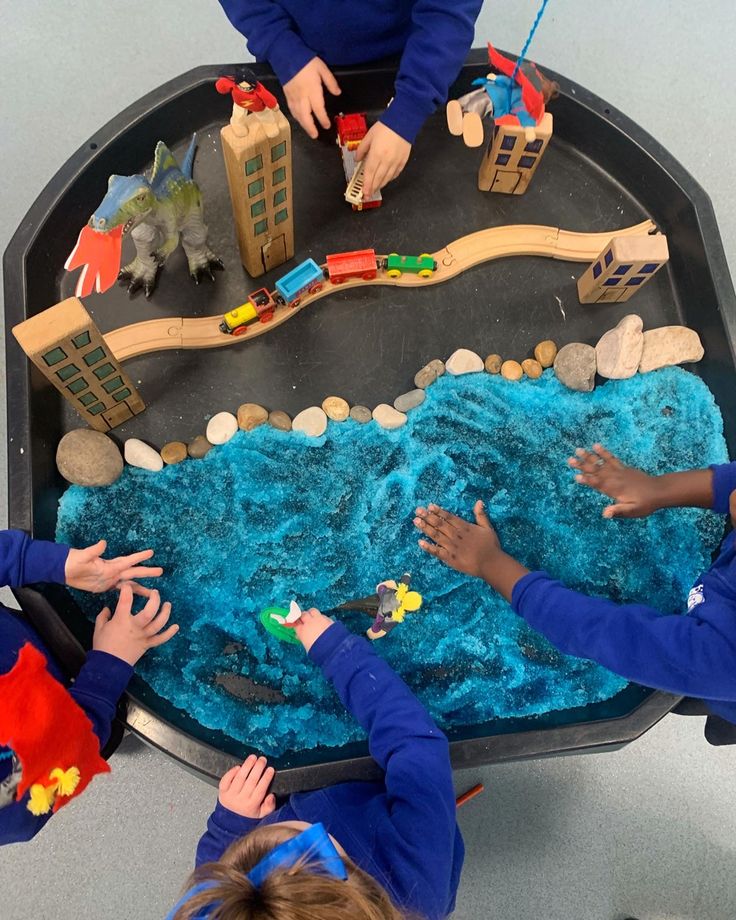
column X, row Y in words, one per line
column 423, row 265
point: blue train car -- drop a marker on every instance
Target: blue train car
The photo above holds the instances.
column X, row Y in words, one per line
column 305, row 278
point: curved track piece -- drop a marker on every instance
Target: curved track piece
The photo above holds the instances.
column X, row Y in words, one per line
column 458, row 256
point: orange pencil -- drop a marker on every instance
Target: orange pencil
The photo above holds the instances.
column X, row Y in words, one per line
column 470, row 794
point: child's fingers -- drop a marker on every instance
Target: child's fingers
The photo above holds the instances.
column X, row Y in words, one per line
column 140, row 590
column 481, row 517
column 261, row 788
column 611, row 459
column 141, row 571
column 619, row 510
column 448, row 517
column 254, row 776
column 268, row 807
column 328, row 78
column 125, row 562
column 150, row 609
column 125, row 599
column 163, row 637
column 317, row 102
column 226, row 780
column 302, row 111
column 242, row 773
column 94, row 551
column 159, row 621
column 438, row 551
column 102, row 618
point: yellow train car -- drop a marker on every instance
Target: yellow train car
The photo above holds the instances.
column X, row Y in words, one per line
column 238, row 319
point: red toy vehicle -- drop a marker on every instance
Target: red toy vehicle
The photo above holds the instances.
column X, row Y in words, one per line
column 351, row 129
column 358, row 264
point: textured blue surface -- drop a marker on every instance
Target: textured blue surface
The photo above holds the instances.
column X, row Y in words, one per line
column 272, row 516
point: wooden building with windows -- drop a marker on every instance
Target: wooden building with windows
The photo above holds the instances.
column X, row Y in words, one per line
column 256, row 147
column 626, row 263
column 67, row 347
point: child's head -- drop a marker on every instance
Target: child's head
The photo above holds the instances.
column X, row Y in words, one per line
column 293, row 892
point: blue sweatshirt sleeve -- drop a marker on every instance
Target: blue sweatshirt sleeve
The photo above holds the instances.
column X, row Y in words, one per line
column 223, row 828
column 724, row 482
column 439, row 41
column 408, row 746
column 689, row 655
column 271, row 35
column 24, row 561
column 99, row 685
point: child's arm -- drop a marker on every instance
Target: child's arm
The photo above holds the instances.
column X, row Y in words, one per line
column 25, row 561
column 690, row 655
column 637, row 494
column 403, row 740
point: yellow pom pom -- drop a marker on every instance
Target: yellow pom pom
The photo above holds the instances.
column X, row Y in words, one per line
column 412, row 601
column 41, row 800
column 66, row 780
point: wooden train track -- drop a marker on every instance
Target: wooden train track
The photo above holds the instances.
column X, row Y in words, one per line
column 483, row 246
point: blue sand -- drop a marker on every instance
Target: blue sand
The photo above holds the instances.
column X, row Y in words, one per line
column 272, row 516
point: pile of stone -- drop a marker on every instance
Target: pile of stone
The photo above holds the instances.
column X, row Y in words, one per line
column 90, row 458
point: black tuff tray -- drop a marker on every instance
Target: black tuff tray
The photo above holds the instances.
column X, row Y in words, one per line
column 601, row 172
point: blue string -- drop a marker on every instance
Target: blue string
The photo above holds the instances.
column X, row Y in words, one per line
column 522, row 56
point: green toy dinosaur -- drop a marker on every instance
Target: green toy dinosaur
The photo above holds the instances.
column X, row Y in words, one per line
column 158, row 213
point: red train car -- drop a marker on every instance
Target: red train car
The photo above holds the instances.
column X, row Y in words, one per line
column 358, row 264
column 351, row 129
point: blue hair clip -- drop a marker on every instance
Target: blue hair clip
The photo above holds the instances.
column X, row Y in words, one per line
column 313, row 844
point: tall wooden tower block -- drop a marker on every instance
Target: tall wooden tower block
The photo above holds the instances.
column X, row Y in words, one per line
column 70, row 351
column 512, row 157
column 622, row 268
column 257, row 151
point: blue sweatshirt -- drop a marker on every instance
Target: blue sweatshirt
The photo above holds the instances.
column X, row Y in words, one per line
column 692, row 655
column 402, row 831
column 433, row 38
column 100, row 682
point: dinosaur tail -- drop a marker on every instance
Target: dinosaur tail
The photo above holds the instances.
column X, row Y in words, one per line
column 188, row 165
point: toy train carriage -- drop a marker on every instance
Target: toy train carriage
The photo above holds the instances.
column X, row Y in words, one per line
column 260, row 306
column 306, row 278
column 423, row 265
column 351, row 129
column 361, row 263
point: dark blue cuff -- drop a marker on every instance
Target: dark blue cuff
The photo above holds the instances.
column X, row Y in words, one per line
column 519, row 589
column 405, row 115
column 724, row 482
column 328, row 643
column 233, row 823
column 104, row 675
column 44, row 561
column 288, row 55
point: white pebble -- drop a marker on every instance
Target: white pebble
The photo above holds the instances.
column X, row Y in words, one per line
column 142, row 455
column 221, row 427
column 463, row 361
column 388, row 417
column 311, row 421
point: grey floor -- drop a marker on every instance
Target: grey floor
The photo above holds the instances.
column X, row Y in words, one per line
column 648, row 831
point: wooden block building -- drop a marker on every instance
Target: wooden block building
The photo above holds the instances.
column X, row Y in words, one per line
column 67, row 347
column 626, row 263
column 256, row 147
column 512, row 157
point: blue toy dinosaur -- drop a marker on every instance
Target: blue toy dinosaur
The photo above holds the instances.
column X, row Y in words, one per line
column 158, row 213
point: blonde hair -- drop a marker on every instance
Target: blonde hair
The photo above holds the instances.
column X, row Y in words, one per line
column 290, row 893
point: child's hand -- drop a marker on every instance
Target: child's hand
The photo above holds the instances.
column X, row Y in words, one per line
column 469, row 548
column 244, row 789
column 129, row 635
column 311, row 626
column 385, row 155
column 634, row 491
column 305, row 97
column 86, row 570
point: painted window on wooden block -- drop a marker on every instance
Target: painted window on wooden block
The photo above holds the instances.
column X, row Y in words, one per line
column 280, row 216
column 508, row 142
column 54, row 356
column 260, row 227
column 623, row 269
column 278, row 151
column 502, row 159
column 611, row 282
column 123, row 394
column 95, row 410
column 84, row 338
column 527, row 162
column 534, row 146
column 279, row 197
column 87, row 399
column 258, row 208
column 77, row 385
column 608, row 258
column 104, row 371
column 66, row 372
column 279, row 175
column 597, row 269
column 92, row 357
column 253, row 165
column 649, row 267
column 637, row 279
column 255, row 187
column 113, row 384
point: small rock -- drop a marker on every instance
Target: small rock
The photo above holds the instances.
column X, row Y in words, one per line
column 361, row 414
column 137, row 453
column 221, row 427
column 463, row 361
column 575, row 366
column 388, row 417
column 311, row 421
column 511, row 370
column 425, row 377
column 250, row 416
column 279, row 420
column 618, row 351
column 438, row 366
column 670, row 345
column 532, row 368
column 88, row 458
column 174, row 452
column 667, row 410
column 546, row 352
column 199, row 447
column 409, row 400
column 493, row 364
column 336, row 408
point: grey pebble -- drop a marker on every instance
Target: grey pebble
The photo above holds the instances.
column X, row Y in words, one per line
column 409, row 400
